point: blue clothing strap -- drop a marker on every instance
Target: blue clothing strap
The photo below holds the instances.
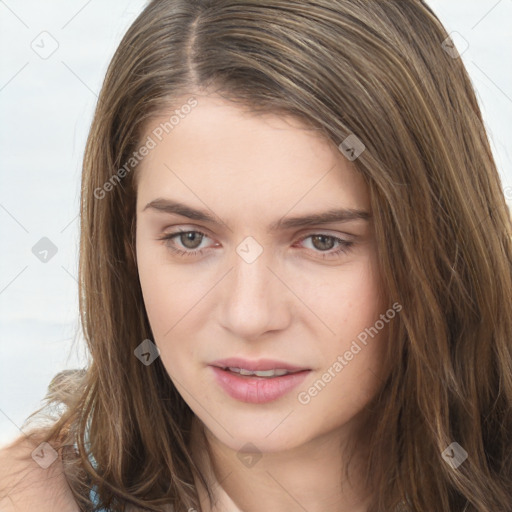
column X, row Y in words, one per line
column 93, row 494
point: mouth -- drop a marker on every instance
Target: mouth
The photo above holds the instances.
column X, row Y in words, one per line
column 257, row 381
column 274, row 372
column 266, row 368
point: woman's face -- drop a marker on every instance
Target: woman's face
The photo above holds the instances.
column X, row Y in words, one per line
column 258, row 279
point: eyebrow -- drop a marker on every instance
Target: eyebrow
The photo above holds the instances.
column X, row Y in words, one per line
column 334, row 215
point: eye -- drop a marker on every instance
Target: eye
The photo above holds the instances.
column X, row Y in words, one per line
column 324, row 243
column 190, row 240
column 190, row 243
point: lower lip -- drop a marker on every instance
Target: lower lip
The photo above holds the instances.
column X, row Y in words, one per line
column 257, row 390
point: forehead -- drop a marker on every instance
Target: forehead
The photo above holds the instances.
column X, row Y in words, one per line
column 221, row 153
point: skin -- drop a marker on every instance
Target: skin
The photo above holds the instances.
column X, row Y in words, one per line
column 289, row 304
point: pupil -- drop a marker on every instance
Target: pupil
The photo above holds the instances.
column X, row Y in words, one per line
column 322, row 239
column 188, row 238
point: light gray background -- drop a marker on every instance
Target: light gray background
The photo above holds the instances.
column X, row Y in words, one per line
column 46, row 107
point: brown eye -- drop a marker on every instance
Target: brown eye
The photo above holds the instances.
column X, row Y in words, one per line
column 327, row 246
column 185, row 243
column 323, row 242
column 191, row 239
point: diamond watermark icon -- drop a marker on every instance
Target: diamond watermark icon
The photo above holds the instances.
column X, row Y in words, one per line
column 44, row 250
column 455, row 45
column 454, row 455
column 249, row 250
column 45, row 45
column 45, row 455
column 351, row 147
column 249, row 455
column 147, row 352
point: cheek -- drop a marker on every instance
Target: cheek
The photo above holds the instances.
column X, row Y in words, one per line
column 347, row 300
column 162, row 290
column 362, row 332
column 175, row 302
column 156, row 301
column 168, row 292
column 171, row 303
column 352, row 352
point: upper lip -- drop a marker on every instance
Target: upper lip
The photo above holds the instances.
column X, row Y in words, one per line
column 259, row 365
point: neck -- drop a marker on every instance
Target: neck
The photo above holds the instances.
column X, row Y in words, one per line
column 310, row 477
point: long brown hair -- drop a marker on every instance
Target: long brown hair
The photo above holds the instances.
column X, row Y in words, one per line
column 381, row 71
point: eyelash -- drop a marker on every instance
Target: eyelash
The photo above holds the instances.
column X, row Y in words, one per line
column 345, row 245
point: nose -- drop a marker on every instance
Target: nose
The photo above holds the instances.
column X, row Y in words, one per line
column 255, row 298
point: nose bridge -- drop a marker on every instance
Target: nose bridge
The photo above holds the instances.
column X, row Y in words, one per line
column 254, row 298
column 251, row 279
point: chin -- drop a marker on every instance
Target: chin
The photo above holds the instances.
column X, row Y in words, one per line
column 267, row 432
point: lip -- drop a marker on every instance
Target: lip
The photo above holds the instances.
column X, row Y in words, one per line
column 261, row 364
column 257, row 390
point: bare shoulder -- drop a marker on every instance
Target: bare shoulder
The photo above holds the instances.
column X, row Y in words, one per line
column 31, row 478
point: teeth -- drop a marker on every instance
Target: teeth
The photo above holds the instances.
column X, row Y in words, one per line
column 259, row 373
